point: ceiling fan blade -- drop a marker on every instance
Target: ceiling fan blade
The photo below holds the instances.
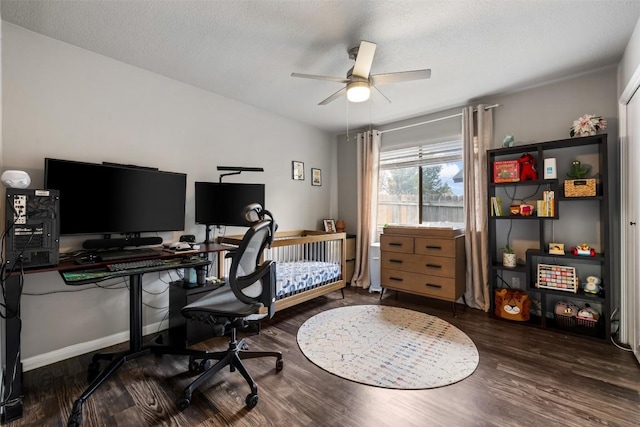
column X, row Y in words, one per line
column 383, row 95
column 335, row 96
column 364, row 59
column 328, row 78
column 403, row 76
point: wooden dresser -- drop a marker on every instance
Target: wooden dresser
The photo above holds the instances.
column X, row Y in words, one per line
column 423, row 260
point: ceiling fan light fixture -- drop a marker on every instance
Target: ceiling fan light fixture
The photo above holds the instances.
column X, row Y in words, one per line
column 358, row 91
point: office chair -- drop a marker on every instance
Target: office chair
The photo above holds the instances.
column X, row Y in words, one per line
column 250, row 289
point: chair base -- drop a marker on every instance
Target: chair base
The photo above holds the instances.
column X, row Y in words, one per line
column 233, row 358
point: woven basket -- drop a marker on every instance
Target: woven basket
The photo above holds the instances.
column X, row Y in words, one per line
column 580, row 188
column 565, row 321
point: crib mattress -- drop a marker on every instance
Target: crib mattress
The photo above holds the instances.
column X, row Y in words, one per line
column 294, row 277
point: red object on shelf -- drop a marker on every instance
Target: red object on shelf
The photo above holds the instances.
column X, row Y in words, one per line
column 506, row 171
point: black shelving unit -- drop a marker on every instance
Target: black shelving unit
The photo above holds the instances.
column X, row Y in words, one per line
column 595, row 223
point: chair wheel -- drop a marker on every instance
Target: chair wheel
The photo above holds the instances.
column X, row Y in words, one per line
column 279, row 365
column 199, row 367
column 75, row 418
column 251, row 400
column 182, row 403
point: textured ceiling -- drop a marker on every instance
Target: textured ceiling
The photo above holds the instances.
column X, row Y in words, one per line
column 246, row 50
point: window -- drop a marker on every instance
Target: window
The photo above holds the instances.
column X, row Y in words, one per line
column 421, row 184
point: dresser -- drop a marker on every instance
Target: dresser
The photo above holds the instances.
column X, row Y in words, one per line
column 423, row 260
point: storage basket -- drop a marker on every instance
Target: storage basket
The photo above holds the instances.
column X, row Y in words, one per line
column 580, row 187
column 565, row 321
column 587, row 323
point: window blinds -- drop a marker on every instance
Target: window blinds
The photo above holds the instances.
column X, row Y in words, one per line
column 423, row 155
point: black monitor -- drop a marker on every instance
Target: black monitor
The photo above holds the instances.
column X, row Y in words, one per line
column 221, row 203
column 108, row 198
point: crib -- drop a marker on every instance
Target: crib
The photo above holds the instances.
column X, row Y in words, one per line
column 308, row 264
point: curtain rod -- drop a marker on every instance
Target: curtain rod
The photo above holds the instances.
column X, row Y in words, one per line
column 488, row 107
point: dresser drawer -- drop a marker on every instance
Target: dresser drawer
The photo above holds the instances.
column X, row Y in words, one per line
column 422, row 264
column 422, row 284
column 435, row 247
column 396, row 244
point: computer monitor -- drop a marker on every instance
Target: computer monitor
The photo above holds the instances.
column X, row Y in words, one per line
column 222, row 203
column 108, row 198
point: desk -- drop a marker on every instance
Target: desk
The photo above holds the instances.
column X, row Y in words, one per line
column 13, row 380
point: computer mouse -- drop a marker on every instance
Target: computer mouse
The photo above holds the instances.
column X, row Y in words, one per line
column 182, row 246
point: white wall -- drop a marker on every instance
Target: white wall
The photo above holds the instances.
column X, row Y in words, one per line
column 65, row 102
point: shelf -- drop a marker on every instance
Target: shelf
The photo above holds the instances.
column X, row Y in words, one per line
column 551, row 182
column 520, row 217
column 536, row 235
column 574, row 199
column 580, row 295
column 598, row 257
column 520, row 268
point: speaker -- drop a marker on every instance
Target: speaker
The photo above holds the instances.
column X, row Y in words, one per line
column 121, row 243
column 32, row 224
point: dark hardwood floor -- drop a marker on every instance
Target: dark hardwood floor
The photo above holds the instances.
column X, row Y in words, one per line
column 526, row 377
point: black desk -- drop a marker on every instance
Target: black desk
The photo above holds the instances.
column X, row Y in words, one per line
column 94, row 273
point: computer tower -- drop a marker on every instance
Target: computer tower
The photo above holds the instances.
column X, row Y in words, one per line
column 32, row 226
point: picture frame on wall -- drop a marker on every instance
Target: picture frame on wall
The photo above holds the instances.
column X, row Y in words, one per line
column 316, row 177
column 297, row 170
column 329, row 226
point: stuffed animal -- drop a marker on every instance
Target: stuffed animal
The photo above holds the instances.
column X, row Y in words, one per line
column 592, row 285
column 566, row 308
column 527, row 168
column 577, row 171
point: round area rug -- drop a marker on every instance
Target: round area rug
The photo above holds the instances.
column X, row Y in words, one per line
column 388, row 347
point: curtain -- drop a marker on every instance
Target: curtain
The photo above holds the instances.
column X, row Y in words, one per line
column 477, row 134
column 368, row 146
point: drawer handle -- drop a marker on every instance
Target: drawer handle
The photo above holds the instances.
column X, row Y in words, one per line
column 432, row 285
column 435, row 248
column 433, row 266
column 396, row 261
column 397, row 279
column 395, row 244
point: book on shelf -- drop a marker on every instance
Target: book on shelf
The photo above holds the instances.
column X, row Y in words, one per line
column 546, row 206
column 496, row 206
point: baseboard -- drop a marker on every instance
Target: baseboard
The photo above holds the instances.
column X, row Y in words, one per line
column 45, row 359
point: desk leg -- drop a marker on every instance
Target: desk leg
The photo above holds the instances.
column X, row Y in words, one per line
column 12, row 406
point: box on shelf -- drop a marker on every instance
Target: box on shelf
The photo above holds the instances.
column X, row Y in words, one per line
column 580, row 187
column 506, row 171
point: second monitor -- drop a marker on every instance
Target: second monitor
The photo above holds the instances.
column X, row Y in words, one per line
column 221, row 203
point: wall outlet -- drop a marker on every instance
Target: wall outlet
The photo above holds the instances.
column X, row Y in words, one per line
column 515, row 282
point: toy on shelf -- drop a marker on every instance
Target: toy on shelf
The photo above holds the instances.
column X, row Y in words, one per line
column 592, row 285
column 583, row 250
column 577, row 171
column 507, row 141
column 587, row 316
column 527, row 168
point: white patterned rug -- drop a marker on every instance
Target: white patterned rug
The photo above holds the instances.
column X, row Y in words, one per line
column 388, row 347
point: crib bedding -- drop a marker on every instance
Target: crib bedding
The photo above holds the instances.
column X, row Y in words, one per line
column 293, row 277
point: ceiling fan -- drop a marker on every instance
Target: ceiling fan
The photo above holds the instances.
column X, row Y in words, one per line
column 359, row 82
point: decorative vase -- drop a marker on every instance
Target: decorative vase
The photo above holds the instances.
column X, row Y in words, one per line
column 508, row 260
column 340, row 226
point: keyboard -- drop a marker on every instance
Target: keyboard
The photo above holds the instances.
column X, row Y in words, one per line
column 91, row 275
column 144, row 263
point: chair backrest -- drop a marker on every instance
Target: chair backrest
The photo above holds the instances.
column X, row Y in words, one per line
column 250, row 279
